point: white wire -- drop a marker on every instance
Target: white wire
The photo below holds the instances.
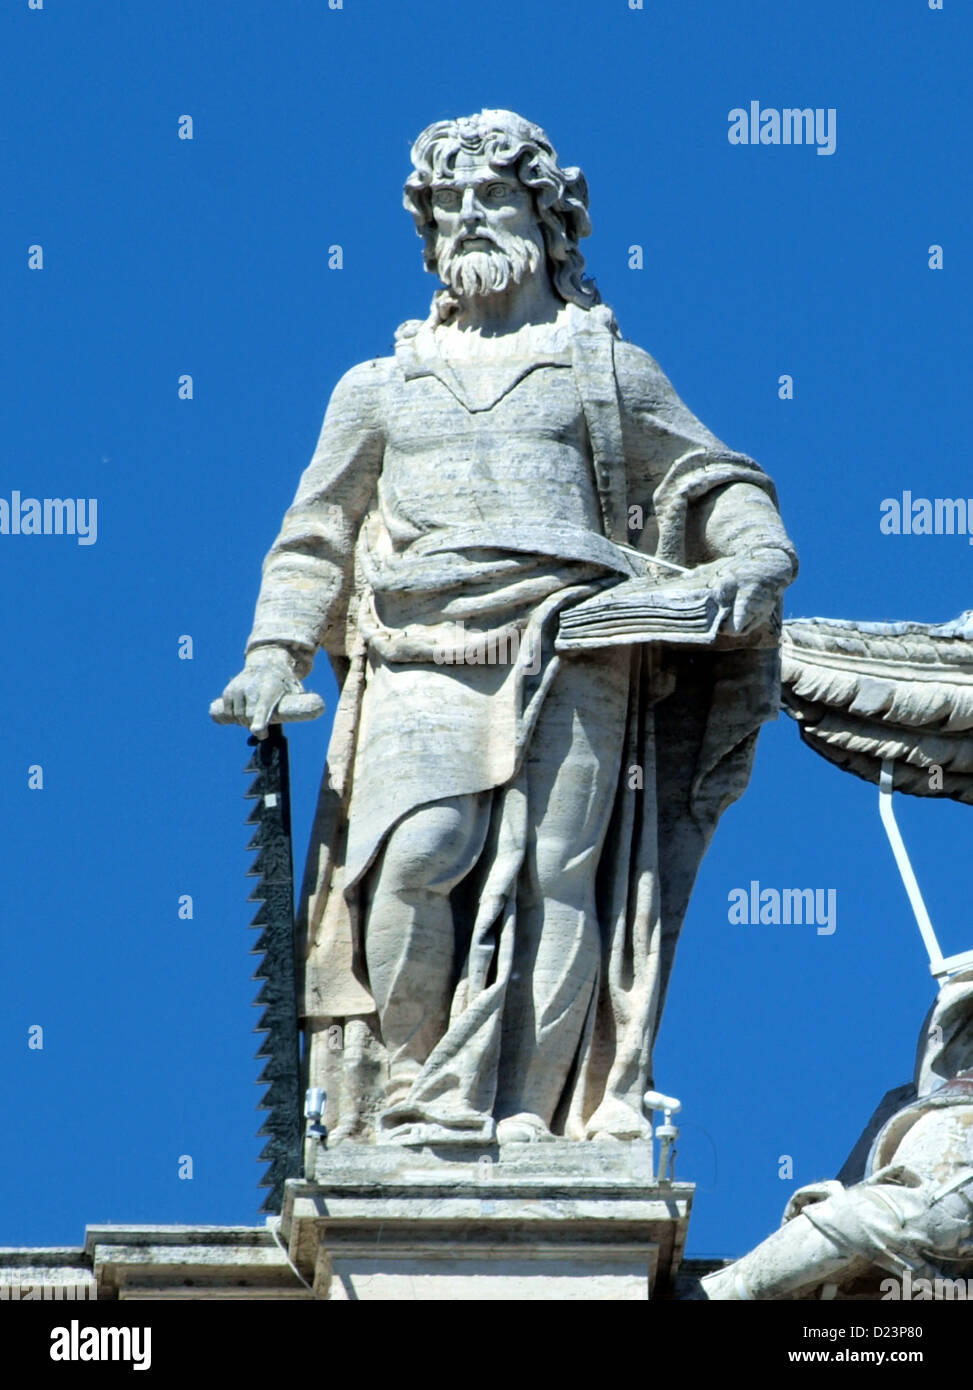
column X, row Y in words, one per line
column 274, row 1223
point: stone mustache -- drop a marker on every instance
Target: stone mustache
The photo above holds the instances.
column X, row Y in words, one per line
column 504, row 850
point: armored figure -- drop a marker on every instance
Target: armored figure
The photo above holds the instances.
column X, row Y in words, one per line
column 912, row 1213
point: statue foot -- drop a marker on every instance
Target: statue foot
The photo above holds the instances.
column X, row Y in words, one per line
column 420, row 1133
column 614, row 1120
column 523, row 1129
column 343, row 1134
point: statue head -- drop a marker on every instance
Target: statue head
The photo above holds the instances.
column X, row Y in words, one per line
column 492, row 205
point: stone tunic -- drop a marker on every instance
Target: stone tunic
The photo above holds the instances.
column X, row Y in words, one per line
column 427, row 505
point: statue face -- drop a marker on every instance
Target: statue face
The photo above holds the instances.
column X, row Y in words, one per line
column 487, row 232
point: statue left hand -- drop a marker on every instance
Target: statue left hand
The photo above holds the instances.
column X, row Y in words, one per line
column 749, row 585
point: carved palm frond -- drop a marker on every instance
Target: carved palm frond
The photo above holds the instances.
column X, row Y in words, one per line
column 865, row 692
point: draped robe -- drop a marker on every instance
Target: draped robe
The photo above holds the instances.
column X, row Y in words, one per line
column 432, row 514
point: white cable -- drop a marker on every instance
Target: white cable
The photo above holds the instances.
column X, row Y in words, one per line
column 273, row 1224
column 926, row 930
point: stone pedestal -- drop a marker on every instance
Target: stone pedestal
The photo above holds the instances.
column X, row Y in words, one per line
column 530, row 1221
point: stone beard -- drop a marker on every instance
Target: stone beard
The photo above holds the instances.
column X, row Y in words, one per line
column 491, row 901
column 474, row 273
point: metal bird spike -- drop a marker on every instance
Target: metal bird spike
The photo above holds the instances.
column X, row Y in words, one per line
column 280, row 1049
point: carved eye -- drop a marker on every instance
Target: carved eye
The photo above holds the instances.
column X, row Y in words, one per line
column 498, row 192
column 445, row 198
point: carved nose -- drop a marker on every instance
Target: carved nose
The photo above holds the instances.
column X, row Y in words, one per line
column 469, row 211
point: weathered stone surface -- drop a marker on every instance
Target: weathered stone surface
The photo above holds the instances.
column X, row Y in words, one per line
column 866, row 693
column 157, row 1262
column 53, row 1273
column 511, row 817
column 525, row 1222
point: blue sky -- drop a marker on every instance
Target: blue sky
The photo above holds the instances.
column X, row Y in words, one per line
column 164, row 256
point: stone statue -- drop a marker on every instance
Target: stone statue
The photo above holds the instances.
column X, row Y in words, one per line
column 912, row 1214
column 512, row 815
column 891, row 703
column 867, row 693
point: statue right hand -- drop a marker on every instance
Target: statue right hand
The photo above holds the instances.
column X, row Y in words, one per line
column 810, row 1195
column 253, row 696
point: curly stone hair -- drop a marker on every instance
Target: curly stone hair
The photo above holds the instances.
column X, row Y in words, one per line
column 507, row 141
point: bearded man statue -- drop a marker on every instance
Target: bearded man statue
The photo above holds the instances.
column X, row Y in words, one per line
column 510, row 824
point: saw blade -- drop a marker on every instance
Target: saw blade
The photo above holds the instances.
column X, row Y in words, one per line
column 280, row 1047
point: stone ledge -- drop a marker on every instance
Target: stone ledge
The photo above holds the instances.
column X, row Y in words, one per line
column 151, row 1262
column 528, row 1222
